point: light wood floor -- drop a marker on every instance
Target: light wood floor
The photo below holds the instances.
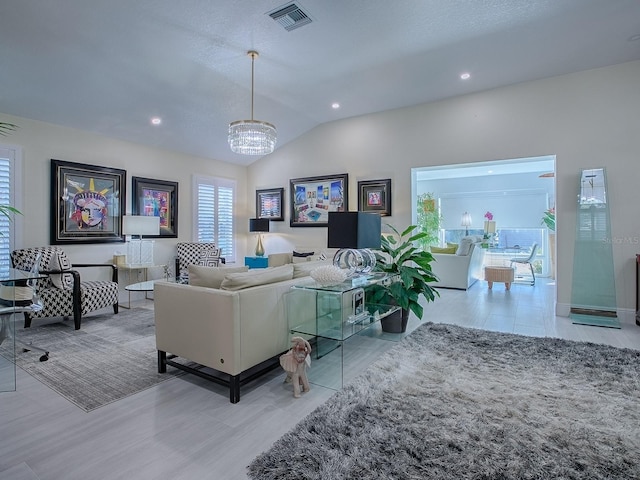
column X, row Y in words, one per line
column 186, row 428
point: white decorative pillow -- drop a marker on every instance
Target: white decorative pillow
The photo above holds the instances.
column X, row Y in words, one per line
column 60, row 262
column 211, row 277
column 257, row 276
column 279, row 259
column 210, row 258
column 303, row 269
column 465, row 246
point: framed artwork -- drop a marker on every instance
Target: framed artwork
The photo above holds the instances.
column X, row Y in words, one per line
column 157, row 198
column 269, row 204
column 312, row 199
column 375, row 196
column 87, row 203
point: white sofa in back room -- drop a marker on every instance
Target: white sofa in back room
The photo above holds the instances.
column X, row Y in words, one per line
column 461, row 269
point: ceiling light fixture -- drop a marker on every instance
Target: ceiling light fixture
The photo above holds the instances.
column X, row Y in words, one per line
column 252, row 137
column 335, row 105
column 465, row 76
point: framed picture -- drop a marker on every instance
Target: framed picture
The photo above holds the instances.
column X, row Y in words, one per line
column 87, row 203
column 269, row 204
column 157, row 198
column 312, row 199
column 375, row 196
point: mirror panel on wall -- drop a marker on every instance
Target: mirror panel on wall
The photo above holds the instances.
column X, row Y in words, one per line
column 593, row 293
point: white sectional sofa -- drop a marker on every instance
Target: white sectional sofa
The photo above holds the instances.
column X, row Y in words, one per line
column 238, row 329
column 459, row 271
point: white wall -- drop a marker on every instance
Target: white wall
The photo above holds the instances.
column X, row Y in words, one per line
column 587, row 119
column 40, row 142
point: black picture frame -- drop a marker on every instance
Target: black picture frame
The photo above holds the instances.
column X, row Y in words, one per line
column 270, row 204
column 157, row 198
column 312, row 198
column 375, row 196
column 87, row 203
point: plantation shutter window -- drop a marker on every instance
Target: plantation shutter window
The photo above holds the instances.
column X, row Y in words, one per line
column 213, row 204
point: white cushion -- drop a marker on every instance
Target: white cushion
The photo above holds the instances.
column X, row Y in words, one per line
column 303, row 269
column 279, row 259
column 257, row 276
column 211, row 277
column 60, row 262
column 464, row 248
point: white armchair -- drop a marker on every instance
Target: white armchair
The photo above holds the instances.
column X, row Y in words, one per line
column 458, row 271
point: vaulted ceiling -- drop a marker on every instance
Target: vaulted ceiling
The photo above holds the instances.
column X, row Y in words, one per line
column 109, row 66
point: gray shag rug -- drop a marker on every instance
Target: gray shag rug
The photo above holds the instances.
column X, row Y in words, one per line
column 457, row 403
column 109, row 358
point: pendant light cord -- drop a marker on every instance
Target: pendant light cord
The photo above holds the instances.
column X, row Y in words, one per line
column 253, row 59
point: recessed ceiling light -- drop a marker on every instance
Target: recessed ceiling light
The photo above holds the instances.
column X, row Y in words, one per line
column 465, row 76
column 335, row 105
column 633, row 38
column 156, row 120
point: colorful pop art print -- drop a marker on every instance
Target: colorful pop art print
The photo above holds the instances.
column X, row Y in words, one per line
column 87, row 204
column 270, row 204
column 157, row 198
column 312, row 199
column 375, row 196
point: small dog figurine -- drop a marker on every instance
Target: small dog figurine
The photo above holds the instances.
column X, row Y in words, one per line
column 294, row 362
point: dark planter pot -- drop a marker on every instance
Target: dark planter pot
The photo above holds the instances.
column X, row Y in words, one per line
column 395, row 322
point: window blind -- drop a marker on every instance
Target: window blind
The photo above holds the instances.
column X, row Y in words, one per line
column 214, row 213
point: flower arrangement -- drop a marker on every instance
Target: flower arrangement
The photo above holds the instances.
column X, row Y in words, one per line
column 488, row 216
column 549, row 219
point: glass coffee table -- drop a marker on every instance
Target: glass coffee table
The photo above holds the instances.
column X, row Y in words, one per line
column 146, row 287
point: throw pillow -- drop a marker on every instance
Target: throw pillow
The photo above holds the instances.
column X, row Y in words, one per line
column 449, row 250
column 449, row 244
column 60, row 262
column 210, row 258
column 279, row 259
column 299, row 257
column 304, row 269
column 465, row 246
column 257, row 276
column 211, row 277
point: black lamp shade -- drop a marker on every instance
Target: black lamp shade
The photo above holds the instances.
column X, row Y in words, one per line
column 354, row 230
column 258, row 224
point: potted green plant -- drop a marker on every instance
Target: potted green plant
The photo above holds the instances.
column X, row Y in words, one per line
column 409, row 268
column 549, row 220
column 428, row 220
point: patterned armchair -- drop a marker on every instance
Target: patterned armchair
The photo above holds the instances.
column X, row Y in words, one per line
column 62, row 292
column 192, row 253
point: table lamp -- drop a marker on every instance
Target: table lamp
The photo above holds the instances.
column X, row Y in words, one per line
column 259, row 225
column 139, row 251
column 354, row 233
column 466, row 222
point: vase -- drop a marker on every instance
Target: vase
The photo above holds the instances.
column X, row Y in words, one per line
column 395, row 322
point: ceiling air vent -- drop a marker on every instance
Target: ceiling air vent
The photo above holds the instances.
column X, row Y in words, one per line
column 290, row 16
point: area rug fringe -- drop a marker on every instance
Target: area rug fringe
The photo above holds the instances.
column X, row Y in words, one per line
column 458, row 403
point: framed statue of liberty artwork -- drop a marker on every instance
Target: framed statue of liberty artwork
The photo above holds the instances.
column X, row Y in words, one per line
column 88, row 203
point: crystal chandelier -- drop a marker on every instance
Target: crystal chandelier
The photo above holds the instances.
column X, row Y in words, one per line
column 252, row 137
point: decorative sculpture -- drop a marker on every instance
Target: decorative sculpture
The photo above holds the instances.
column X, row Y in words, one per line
column 294, row 362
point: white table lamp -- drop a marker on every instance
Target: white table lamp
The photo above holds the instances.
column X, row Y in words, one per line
column 139, row 251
